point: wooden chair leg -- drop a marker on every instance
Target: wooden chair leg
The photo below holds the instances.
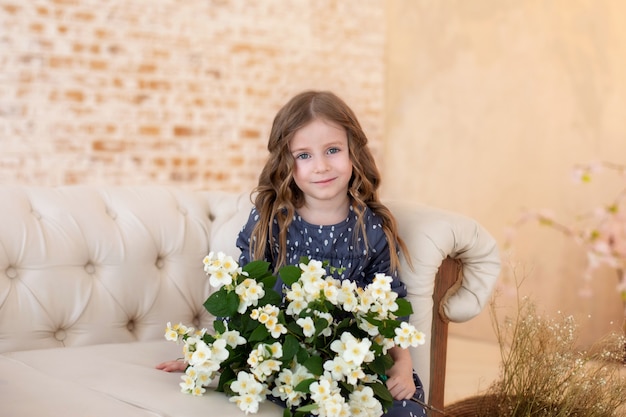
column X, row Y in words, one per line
column 448, row 275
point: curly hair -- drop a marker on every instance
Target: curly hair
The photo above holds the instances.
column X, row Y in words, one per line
column 278, row 196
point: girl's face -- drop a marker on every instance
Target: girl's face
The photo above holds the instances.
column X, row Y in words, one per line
column 322, row 167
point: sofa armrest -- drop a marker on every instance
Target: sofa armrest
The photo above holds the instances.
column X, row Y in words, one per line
column 467, row 280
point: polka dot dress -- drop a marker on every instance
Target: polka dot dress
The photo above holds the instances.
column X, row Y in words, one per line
column 349, row 258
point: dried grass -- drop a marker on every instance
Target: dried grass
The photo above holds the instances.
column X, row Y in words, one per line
column 544, row 372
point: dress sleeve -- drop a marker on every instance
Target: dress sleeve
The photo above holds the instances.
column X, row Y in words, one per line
column 380, row 259
column 243, row 239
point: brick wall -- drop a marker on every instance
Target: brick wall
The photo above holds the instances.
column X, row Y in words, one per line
column 172, row 91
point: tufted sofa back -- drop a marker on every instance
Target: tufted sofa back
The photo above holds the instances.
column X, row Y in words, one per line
column 88, row 265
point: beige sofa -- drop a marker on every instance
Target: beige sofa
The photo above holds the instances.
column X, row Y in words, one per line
column 89, row 277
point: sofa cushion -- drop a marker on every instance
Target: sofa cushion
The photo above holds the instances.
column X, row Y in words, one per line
column 106, row 380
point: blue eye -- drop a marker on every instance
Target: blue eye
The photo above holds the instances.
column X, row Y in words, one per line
column 303, row 156
column 333, row 150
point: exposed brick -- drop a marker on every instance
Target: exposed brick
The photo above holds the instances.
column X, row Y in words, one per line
column 104, row 145
column 149, row 130
column 250, row 134
column 182, row 131
column 11, row 8
column 98, row 65
column 176, row 92
column 75, row 95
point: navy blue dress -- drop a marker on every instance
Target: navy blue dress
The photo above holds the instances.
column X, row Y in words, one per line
column 335, row 244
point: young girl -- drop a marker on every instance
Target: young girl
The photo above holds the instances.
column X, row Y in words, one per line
column 317, row 197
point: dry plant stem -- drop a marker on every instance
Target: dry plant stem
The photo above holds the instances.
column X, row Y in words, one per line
column 543, row 373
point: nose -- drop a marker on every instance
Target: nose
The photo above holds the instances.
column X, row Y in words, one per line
column 321, row 165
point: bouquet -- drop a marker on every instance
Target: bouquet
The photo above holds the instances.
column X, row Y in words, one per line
column 320, row 348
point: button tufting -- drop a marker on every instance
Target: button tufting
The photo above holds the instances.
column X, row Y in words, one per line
column 111, row 213
column 196, row 321
column 183, row 210
column 11, row 272
column 131, row 325
column 36, row 215
column 90, row 268
column 60, row 335
column 211, row 216
column 160, row 263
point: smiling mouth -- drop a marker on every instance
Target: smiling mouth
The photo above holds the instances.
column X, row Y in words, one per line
column 322, row 182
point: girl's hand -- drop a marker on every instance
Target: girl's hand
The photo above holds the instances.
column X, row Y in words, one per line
column 172, row 366
column 400, row 376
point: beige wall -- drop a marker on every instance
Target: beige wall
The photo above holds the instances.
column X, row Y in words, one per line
column 489, row 105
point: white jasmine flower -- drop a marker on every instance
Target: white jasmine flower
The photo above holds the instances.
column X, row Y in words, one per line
column 188, row 384
column 220, row 278
column 363, row 403
column 276, row 350
column 251, row 392
column 370, row 328
column 356, row 350
column 407, row 335
column 250, row 292
column 170, row 333
column 198, row 390
column 322, row 390
column 381, row 283
column 266, row 368
column 313, row 268
column 233, row 338
column 337, row 367
column 277, row 330
column 247, row 403
column 307, row 325
column 219, row 352
column 334, row 406
column 295, row 293
column 229, row 265
column 295, row 307
column 201, row 354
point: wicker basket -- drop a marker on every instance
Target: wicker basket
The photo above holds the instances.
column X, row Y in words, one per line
column 497, row 406
column 477, row 406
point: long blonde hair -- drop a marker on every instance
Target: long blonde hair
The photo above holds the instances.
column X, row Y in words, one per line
column 277, row 195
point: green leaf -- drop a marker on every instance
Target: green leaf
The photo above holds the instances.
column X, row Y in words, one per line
column 259, row 334
column 287, row 412
column 320, row 325
column 307, row 408
column 291, row 346
column 381, row 391
column 270, row 297
column 302, row 356
column 218, row 326
column 304, row 385
column 290, row 274
column 268, row 282
column 222, row 303
column 315, row 364
column 404, row 307
column 381, row 364
column 256, row 269
column 294, row 328
column 227, row 376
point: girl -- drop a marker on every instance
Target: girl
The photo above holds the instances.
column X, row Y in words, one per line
column 317, row 197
